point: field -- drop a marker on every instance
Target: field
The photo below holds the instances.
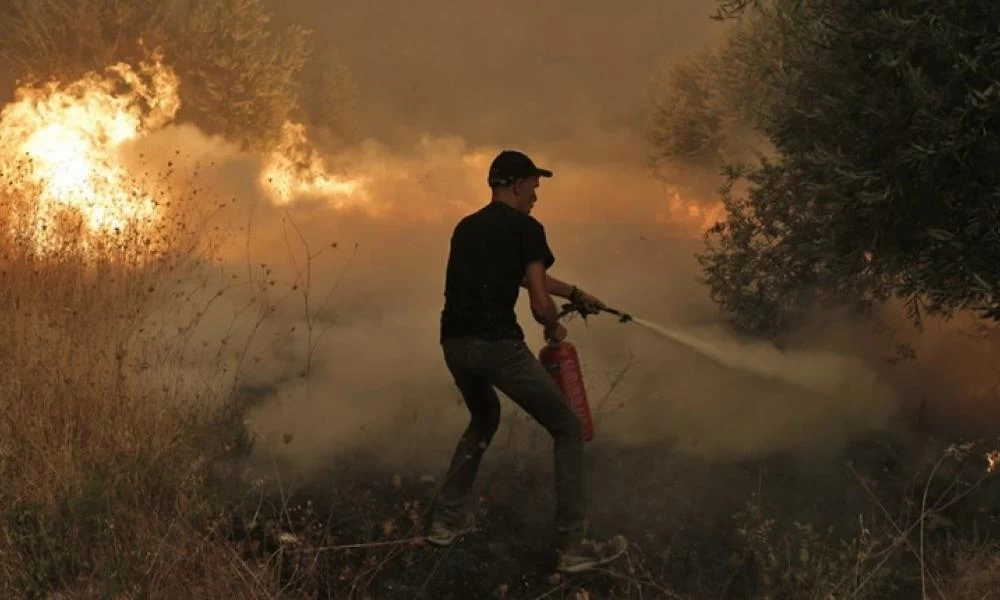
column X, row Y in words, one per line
column 121, row 482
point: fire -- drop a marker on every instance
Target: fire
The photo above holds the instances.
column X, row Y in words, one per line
column 70, row 138
column 295, row 169
column 693, row 214
column 61, row 149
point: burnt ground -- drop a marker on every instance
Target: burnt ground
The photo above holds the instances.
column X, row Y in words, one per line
column 357, row 524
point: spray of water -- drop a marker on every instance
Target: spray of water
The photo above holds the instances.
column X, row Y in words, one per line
column 820, row 372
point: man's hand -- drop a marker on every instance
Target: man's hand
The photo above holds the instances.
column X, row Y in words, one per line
column 555, row 334
column 586, row 303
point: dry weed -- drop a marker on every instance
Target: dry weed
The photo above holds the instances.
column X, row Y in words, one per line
column 109, row 460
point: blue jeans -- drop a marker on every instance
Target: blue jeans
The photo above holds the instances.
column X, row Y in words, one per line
column 477, row 365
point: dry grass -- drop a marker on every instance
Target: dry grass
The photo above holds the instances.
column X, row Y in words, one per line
column 119, row 470
column 977, row 573
column 109, row 469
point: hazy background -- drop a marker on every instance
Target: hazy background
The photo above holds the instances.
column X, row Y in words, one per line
column 547, row 73
column 442, row 87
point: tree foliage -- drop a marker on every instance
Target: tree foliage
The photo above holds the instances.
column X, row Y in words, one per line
column 240, row 76
column 882, row 181
column 730, row 9
column 704, row 108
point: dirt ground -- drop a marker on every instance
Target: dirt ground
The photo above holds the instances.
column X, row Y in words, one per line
column 357, row 525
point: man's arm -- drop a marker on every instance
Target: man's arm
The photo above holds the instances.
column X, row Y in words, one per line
column 553, row 286
column 587, row 303
column 542, row 307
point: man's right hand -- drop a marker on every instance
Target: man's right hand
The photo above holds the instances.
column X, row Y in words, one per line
column 555, row 333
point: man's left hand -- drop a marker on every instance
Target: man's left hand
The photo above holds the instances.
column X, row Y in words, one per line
column 586, row 303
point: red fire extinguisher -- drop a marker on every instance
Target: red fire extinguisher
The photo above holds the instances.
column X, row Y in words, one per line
column 562, row 362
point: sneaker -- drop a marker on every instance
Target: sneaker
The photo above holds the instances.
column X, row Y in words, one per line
column 588, row 554
column 443, row 533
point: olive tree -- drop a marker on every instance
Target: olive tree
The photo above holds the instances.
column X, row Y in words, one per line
column 882, row 181
column 240, row 76
column 705, row 106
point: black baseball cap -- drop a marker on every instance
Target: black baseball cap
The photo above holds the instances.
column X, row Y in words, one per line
column 511, row 165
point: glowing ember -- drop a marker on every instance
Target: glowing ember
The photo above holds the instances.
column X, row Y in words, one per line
column 992, row 461
column 71, row 137
column 295, row 169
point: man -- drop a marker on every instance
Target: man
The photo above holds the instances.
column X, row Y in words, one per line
column 495, row 251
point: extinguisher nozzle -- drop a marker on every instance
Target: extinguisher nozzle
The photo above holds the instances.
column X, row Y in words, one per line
column 622, row 317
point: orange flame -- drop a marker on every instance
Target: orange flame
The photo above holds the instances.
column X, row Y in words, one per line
column 992, row 461
column 295, row 169
column 61, row 149
column 71, row 138
column 692, row 214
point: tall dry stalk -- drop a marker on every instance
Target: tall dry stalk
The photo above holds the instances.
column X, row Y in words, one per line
column 109, row 483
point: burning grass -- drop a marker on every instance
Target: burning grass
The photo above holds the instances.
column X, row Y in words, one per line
column 109, row 462
column 67, row 148
column 118, row 423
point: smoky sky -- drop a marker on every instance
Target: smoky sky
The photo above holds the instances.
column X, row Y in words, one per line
column 521, row 73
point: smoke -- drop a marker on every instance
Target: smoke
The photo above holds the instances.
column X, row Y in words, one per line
column 360, row 367
column 351, row 359
column 522, row 73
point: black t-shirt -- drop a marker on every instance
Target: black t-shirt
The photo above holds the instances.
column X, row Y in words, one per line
column 489, row 252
